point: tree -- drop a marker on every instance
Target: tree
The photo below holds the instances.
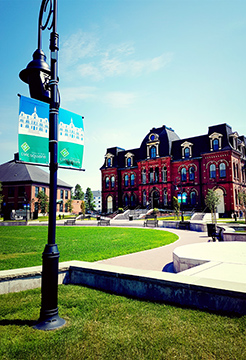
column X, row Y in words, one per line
column 82, row 207
column 89, row 200
column 212, row 199
column 69, row 205
column 176, row 206
column 1, row 196
column 78, row 193
column 43, row 202
column 242, row 202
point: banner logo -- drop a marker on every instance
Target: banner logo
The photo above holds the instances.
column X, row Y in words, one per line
column 25, row 147
column 64, row 152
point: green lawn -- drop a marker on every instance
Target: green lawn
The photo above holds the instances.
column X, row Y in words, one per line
column 104, row 326
column 22, row 246
column 100, row 325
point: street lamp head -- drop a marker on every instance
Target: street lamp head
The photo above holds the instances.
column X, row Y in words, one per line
column 37, row 76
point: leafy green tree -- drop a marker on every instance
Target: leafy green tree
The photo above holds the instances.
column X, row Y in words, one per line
column 1, row 196
column 69, row 205
column 242, row 202
column 82, row 207
column 43, row 202
column 176, row 206
column 78, row 193
column 89, row 200
column 212, row 199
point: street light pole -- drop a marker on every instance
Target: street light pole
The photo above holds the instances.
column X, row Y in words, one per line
column 36, row 75
column 179, row 185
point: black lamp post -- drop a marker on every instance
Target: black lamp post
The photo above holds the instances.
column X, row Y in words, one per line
column 43, row 86
column 178, row 185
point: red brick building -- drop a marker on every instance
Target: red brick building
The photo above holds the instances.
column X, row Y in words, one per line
column 21, row 185
column 165, row 166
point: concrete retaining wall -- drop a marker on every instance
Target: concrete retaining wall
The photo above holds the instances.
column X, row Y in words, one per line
column 157, row 286
column 194, row 225
column 234, row 236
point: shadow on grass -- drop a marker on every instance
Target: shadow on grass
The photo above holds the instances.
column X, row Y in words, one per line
column 18, row 322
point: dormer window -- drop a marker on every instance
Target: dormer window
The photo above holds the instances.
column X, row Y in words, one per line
column 215, row 144
column 234, row 140
column 215, row 141
column 153, row 152
column 187, row 153
column 153, row 146
column 129, row 159
column 186, row 150
column 109, row 159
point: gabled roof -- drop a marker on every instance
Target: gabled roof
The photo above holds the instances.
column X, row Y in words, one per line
column 14, row 172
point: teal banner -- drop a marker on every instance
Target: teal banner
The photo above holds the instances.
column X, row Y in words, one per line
column 33, row 139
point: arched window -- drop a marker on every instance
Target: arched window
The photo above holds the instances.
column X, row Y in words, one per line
column 193, row 198
column 165, row 197
column 236, row 197
column 107, row 182
column 215, row 144
column 151, row 176
column 237, row 174
column 187, row 152
column 109, row 204
column 144, row 198
column 132, row 179
column 156, row 175
column 126, row 200
column 112, row 182
column 126, row 180
column 164, row 174
column 222, row 170
column 183, row 174
column 191, row 173
column 109, row 162
column 133, row 200
column 143, row 176
column 129, row 162
column 153, row 152
column 212, row 171
column 234, row 170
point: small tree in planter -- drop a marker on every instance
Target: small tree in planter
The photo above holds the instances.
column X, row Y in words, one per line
column 176, row 207
column 242, row 202
column 211, row 201
column 155, row 211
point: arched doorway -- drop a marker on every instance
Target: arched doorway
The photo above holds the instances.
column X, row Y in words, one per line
column 221, row 205
column 109, row 204
column 155, row 199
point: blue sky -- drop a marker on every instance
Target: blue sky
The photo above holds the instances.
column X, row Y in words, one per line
column 128, row 66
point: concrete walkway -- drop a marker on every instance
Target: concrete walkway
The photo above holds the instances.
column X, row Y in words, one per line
column 159, row 258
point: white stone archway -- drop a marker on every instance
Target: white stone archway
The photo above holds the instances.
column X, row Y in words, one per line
column 110, row 204
column 221, row 205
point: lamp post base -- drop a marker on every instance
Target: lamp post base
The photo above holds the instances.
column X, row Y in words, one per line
column 52, row 323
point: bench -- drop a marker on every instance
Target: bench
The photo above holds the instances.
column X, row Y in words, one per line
column 151, row 222
column 218, row 234
column 70, row 222
column 105, row 222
